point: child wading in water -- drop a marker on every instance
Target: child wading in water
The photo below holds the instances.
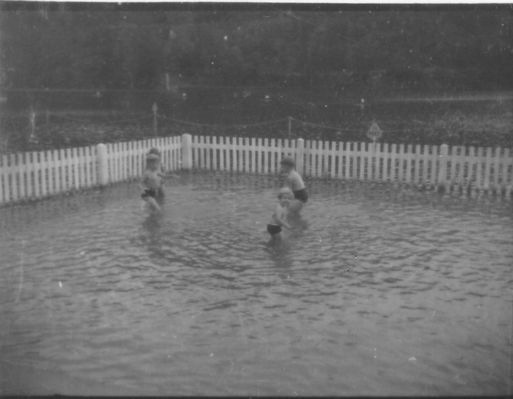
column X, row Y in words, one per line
column 295, row 182
column 160, row 192
column 152, row 181
column 279, row 217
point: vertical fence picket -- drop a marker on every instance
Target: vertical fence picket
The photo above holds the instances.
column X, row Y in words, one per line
column 265, row 153
column 260, row 168
column 332, row 161
column 131, row 156
column 119, row 159
column 479, row 168
column 496, row 168
column 409, row 161
column 3, row 168
column 90, row 160
column 82, row 166
column 229, row 153
column 12, row 178
column 459, row 177
column 325, row 155
column 235, row 154
column 313, row 158
column 215, row 147
column 244, row 153
column 508, row 172
column 486, row 171
column 415, row 164
column 23, row 174
column 206, row 151
column 392, row 175
column 42, row 165
column 29, row 168
column 114, row 163
column 347, row 160
column 465, row 169
column 426, row 164
column 272, row 156
column 199, row 156
column 74, row 157
column 320, row 158
column 369, row 159
column 221, row 152
column 339, row 155
column 66, row 170
column 7, row 176
column 506, row 166
column 385, row 156
column 434, row 165
column 55, row 172
column 123, row 150
column 451, row 167
column 360, row 164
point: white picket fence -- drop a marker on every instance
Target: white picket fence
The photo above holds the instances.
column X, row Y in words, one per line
column 33, row 175
column 465, row 170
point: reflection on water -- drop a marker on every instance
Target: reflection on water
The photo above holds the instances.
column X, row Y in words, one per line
column 374, row 291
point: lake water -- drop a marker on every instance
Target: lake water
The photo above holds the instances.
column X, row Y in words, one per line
column 376, row 291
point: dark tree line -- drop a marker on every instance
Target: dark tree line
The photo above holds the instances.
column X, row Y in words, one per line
column 108, row 46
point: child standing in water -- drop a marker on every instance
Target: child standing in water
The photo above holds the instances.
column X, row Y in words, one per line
column 279, row 217
column 152, row 181
column 295, row 182
column 160, row 167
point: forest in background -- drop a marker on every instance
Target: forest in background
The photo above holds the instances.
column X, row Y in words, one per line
column 229, row 64
column 111, row 46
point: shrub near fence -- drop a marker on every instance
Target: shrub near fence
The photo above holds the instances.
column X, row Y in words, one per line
column 466, row 170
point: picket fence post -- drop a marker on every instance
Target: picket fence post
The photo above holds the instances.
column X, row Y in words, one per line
column 442, row 166
column 300, row 155
column 102, row 170
column 186, row 151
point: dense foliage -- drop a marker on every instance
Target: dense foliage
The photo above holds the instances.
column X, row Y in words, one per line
column 228, row 66
column 59, row 45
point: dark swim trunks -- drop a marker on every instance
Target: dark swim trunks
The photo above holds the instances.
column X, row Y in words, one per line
column 301, row 195
column 149, row 193
column 273, row 229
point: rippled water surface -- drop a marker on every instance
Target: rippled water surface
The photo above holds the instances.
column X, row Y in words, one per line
column 376, row 291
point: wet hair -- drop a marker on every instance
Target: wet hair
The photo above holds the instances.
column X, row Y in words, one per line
column 285, row 191
column 152, row 157
column 288, row 161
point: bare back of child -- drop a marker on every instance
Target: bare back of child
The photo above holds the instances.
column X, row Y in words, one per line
column 152, row 182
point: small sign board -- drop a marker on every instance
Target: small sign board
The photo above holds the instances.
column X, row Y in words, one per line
column 374, row 133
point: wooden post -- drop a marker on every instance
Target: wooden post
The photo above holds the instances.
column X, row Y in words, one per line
column 300, row 155
column 155, row 109
column 186, row 151
column 32, row 119
column 102, row 170
column 442, row 167
column 290, row 125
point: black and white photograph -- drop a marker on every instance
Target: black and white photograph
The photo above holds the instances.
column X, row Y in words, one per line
column 256, row 199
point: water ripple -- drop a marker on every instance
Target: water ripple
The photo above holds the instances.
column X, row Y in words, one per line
column 401, row 294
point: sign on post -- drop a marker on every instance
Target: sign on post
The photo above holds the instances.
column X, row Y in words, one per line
column 374, row 133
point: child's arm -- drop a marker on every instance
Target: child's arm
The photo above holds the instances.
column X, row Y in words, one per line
column 143, row 182
column 280, row 217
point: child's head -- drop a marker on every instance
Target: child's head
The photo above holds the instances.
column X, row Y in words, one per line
column 287, row 164
column 154, row 150
column 285, row 195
